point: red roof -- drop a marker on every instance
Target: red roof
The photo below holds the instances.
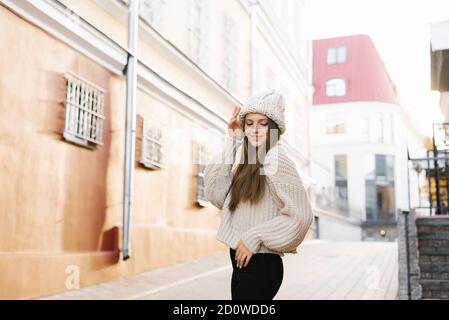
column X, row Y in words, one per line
column 364, row 72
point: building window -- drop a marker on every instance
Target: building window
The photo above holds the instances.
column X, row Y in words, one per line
column 341, row 176
column 150, row 11
column 203, row 154
column 335, row 88
column 335, row 124
column 379, row 128
column 84, row 112
column 270, row 79
column 255, row 81
column 152, row 144
column 379, row 187
column 366, row 134
column 199, row 32
column 392, row 128
column 336, row 55
column 230, row 53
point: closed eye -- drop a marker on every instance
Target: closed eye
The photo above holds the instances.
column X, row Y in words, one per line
column 262, row 123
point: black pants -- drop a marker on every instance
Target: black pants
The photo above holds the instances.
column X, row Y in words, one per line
column 259, row 280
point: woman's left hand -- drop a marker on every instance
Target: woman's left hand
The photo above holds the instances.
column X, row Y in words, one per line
column 242, row 255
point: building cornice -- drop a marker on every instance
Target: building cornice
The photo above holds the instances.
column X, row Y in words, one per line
column 58, row 21
column 54, row 18
column 295, row 67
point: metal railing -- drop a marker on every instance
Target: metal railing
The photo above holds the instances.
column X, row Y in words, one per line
column 327, row 199
column 429, row 183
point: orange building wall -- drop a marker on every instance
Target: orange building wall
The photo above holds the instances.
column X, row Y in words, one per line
column 61, row 204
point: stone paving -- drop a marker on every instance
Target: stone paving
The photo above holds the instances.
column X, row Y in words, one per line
column 321, row 270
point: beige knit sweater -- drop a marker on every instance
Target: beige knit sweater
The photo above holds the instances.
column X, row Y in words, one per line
column 279, row 222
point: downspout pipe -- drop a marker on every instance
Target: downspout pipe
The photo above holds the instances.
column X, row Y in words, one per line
column 130, row 126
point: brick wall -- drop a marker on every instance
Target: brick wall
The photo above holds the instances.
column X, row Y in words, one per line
column 414, row 273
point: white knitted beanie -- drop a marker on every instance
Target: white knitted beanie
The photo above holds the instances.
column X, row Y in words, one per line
column 270, row 103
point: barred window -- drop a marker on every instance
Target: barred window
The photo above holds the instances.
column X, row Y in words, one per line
column 152, row 144
column 203, row 157
column 84, row 112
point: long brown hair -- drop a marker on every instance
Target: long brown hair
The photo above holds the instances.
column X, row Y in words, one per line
column 248, row 184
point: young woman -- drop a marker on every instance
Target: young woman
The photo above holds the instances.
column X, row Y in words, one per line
column 265, row 210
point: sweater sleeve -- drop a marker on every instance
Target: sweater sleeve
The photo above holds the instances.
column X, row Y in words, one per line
column 218, row 175
column 285, row 232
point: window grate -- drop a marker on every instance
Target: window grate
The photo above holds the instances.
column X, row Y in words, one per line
column 84, row 112
column 152, row 144
column 203, row 158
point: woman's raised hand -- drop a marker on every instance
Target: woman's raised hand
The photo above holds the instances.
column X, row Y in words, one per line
column 234, row 126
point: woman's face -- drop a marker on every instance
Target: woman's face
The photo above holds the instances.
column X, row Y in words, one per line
column 256, row 128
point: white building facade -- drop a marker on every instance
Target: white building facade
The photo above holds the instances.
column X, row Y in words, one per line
column 359, row 136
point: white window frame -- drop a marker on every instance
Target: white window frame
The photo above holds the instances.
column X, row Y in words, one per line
column 198, row 32
column 335, row 87
column 392, row 128
column 341, row 55
column 256, row 69
column 331, row 55
column 366, row 127
column 380, row 127
column 271, row 79
column 150, row 11
column 345, row 169
column 150, row 143
column 203, row 156
column 230, row 52
column 84, row 112
column 335, row 123
column 336, row 55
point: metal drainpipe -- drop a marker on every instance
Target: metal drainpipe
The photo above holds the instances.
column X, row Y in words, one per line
column 130, row 128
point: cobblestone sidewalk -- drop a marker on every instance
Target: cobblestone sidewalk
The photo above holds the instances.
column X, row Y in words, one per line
column 320, row 270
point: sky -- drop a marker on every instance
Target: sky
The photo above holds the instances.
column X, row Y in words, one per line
column 400, row 30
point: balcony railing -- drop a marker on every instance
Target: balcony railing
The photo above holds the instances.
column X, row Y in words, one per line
column 328, row 200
